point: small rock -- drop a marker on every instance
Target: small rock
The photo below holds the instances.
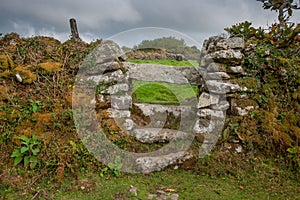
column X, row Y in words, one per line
column 236, row 70
column 203, row 126
column 219, row 87
column 223, row 105
column 216, row 67
column 230, row 57
column 205, row 100
column 123, row 102
column 117, row 76
column 116, row 89
column 19, row 78
column 245, row 111
column 114, row 113
column 133, row 190
column 210, row 114
column 239, row 149
column 236, row 43
column 217, row 76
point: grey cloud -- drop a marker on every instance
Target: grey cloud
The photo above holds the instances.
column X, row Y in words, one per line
column 90, row 14
column 103, row 18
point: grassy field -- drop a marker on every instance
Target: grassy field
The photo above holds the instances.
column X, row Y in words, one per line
column 260, row 182
column 163, row 93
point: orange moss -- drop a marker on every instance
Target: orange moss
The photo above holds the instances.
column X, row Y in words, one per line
column 12, row 115
column 69, row 99
column 5, row 74
column 27, row 76
column 6, row 62
column 26, row 131
column 43, row 118
column 51, row 67
column 103, row 114
column 111, row 125
column 3, row 62
column 43, row 122
column 3, row 93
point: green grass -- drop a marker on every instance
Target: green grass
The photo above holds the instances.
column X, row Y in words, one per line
column 186, row 184
column 162, row 93
column 187, row 63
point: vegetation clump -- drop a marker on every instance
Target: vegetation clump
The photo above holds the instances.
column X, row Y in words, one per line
column 273, row 80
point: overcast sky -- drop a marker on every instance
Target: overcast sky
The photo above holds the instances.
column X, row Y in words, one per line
column 197, row 19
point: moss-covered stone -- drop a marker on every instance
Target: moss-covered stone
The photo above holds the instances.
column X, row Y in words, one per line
column 27, row 76
column 51, row 67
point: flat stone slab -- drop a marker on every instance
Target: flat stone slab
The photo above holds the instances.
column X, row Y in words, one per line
column 152, row 135
column 162, row 73
column 158, row 113
column 116, row 76
column 147, row 165
column 218, row 87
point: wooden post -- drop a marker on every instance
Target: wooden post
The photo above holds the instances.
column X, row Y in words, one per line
column 74, row 30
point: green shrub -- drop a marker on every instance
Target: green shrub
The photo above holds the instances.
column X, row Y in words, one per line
column 28, row 151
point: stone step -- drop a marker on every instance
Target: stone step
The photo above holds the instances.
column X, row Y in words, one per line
column 152, row 135
column 147, row 165
column 160, row 116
